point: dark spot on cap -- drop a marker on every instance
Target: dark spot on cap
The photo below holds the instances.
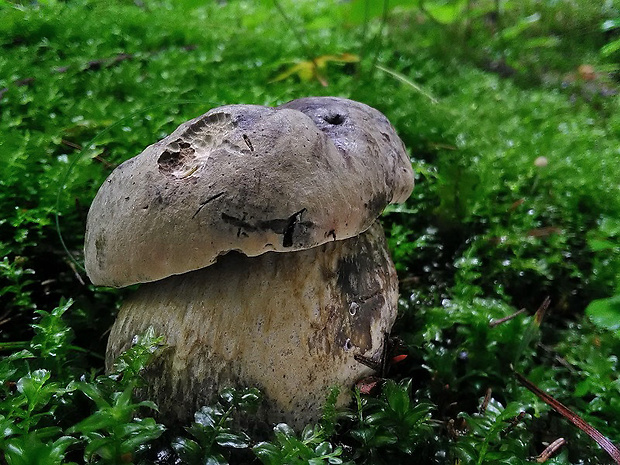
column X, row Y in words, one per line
column 334, row 118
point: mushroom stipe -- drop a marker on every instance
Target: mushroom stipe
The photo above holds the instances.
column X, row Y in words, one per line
column 279, row 322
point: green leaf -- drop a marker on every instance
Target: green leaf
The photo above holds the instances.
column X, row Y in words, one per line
column 228, row 395
column 148, row 430
column 250, row 399
column 384, row 439
column 598, row 245
column 513, row 32
column 283, row 430
column 124, row 399
column 446, row 12
column 610, row 48
column 100, row 420
column 418, row 413
column 93, row 392
column 466, row 452
column 30, row 450
column 100, row 445
column 187, row 449
column 236, row 440
column 216, row 459
column 323, row 448
column 47, row 432
column 309, row 433
column 268, row 453
column 147, row 404
column 610, row 24
column 397, row 396
column 364, row 435
column 542, row 42
column 35, row 389
column 605, row 313
column 206, row 417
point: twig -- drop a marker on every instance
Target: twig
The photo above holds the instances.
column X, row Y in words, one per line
column 494, row 323
column 485, row 402
column 73, row 145
column 575, row 419
column 532, row 329
column 540, row 313
column 561, row 360
column 76, row 273
column 550, row 450
column 513, row 423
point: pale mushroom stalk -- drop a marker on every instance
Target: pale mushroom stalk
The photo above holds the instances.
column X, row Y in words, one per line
column 287, row 323
column 255, row 231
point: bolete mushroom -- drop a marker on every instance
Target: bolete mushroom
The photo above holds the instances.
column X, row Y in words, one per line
column 255, row 230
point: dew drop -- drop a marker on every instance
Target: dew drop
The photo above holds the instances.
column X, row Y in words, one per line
column 353, row 308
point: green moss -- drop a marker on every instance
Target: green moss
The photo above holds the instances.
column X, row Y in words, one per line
column 516, row 199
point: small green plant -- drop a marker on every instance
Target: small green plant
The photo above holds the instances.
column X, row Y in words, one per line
column 30, row 393
column 116, row 432
column 392, row 424
column 113, row 433
column 27, row 415
column 26, row 408
column 490, row 436
column 17, row 280
column 128, row 365
column 52, row 339
column 36, row 392
column 212, row 433
column 31, row 449
column 311, row 447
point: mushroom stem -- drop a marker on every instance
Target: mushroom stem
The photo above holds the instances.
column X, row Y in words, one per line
column 287, row 323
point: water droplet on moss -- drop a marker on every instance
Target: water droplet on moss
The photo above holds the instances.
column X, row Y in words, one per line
column 353, row 308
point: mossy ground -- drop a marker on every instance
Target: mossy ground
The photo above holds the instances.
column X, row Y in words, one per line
column 513, row 124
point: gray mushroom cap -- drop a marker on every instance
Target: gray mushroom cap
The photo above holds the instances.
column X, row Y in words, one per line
column 246, row 178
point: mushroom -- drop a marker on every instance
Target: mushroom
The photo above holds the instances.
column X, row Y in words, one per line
column 255, row 230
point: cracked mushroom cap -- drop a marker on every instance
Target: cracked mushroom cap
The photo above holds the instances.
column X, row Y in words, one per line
column 247, row 178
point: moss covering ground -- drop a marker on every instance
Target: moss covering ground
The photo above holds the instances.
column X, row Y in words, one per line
column 512, row 120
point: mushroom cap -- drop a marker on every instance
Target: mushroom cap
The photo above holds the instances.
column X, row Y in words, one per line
column 246, row 178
